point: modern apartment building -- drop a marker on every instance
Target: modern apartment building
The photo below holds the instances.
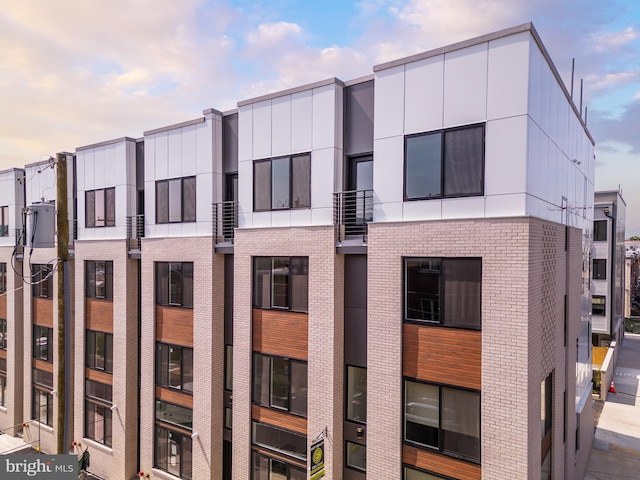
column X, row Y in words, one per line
column 384, row 264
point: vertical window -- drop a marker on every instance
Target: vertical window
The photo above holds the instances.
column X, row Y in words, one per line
column 415, row 474
column 598, row 305
column 546, row 420
column 98, row 417
column 99, row 351
column 599, row 269
column 42, row 281
column 43, row 343
column 3, row 334
column 42, row 398
column 281, row 283
column 3, row 277
column 172, row 452
column 279, row 440
column 264, row 467
column 443, row 291
column 3, row 382
column 280, row 383
column 446, row 163
column 600, row 230
column 99, row 279
column 4, row 221
column 356, row 456
column 174, row 284
column 174, row 367
column 100, row 208
column 357, row 394
column 282, row 183
column 176, row 200
column 228, row 367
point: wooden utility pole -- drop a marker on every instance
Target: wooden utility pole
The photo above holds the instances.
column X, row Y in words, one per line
column 62, row 258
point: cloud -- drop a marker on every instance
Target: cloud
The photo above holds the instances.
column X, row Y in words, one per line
column 621, row 130
column 606, row 40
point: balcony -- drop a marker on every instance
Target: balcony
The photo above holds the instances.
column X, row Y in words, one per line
column 224, row 223
column 352, row 212
column 135, row 232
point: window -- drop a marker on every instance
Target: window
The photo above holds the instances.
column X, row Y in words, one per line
column 281, row 283
column 174, row 284
column 174, row 414
column 43, row 343
column 176, row 200
column 357, row 394
column 410, row 473
column 100, row 351
column 3, row 277
column 280, row 383
column 42, row 280
column 598, row 305
column 356, row 455
column 99, row 283
column 174, row 367
column 97, row 409
column 268, row 468
column 546, row 409
column 445, row 291
column 600, row 230
column 3, row 382
column 42, row 398
column 4, row 221
column 599, row 269
column 100, row 208
column 282, row 183
column 443, row 418
column 3, row 334
column 172, row 452
column 279, row 440
column 228, row 367
column 446, row 163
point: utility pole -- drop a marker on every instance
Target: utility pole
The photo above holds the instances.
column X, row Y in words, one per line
column 63, row 258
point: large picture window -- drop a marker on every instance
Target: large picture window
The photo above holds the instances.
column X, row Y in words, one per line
column 174, row 367
column 442, row 418
column 100, row 351
column 280, row 383
column 172, row 452
column 357, row 394
column 445, row 163
column 4, row 221
column 100, row 208
column 279, row 440
column 444, row 291
column 43, row 343
column 3, row 277
column 264, row 467
column 42, row 280
column 97, row 408
column 174, row 284
column 99, row 283
column 176, row 200
column 281, row 283
column 282, row 183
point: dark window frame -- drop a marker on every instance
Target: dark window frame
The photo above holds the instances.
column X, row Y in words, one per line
column 38, row 333
column 3, row 389
column 255, row 454
column 301, row 457
column 421, row 470
column 346, row 456
column 349, row 399
column 99, row 410
column 92, row 267
column 599, row 267
column 184, row 217
column 604, row 305
column 3, row 333
column 108, row 218
column 185, row 294
column 184, row 439
column 290, row 206
column 291, row 292
column 600, row 228
column 38, row 393
column 443, row 133
column 41, row 288
column 269, row 393
column 91, row 353
column 4, row 221
column 3, row 277
column 160, row 374
column 167, row 423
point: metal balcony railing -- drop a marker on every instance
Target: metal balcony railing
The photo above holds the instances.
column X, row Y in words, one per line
column 352, row 211
column 135, row 231
column 225, row 220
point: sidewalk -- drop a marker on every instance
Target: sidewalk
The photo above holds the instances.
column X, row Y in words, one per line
column 616, row 446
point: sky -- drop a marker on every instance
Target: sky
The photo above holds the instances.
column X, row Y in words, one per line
column 77, row 72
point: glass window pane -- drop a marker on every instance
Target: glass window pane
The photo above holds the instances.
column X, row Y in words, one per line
column 299, row 388
column 599, row 269
column 174, row 414
column 280, row 282
column 423, row 166
column 187, row 284
column 175, row 367
column 299, row 284
column 175, row 200
column 260, row 466
column 162, row 365
column 412, row 474
column 261, row 369
column 174, row 456
column 279, row 383
column 228, row 418
column 296, row 473
column 262, row 282
column 280, row 183
column 186, row 457
column 110, row 207
column 89, row 209
column 357, row 394
column 461, row 423
column 162, row 202
column 228, row 372
column 462, row 291
column 162, row 283
column 162, row 448
column 91, row 349
column 175, row 284
column 463, row 161
column 187, row 369
column 598, row 305
column 422, row 285
column 356, row 456
column 101, row 286
column 600, row 231
column 108, row 280
column 262, row 186
column 108, row 352
column 301, row 181
column 279, row 440
column 100, row 213
column 189, row 199
column 422, row 407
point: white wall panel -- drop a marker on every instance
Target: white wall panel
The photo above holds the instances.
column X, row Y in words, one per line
column 261, row 219
column 89, row 170
column 545, row 93
column 149, row 158
column 534, row 174
column 324, row 117
column 80, row 167
column 204, row 186
column 114, row 171
column 506, row 155
column 281, row 218
column 216, row 124
column 322, row 163
column 245, row 187
column 174, row 139
column 204, row 147
column 300, row 217
column 387, row 212
column 512, row 205
column 422, row 210
column 121, row 206
column 189, row 151
column 100, row 159
column 389, row 103
column 465, row 85
column 150, row 202
column 245, row 133
column 161, row 155
column 535, row 81
column 555, row 96
column 423, row 99
column 508, row 76
column 322, row 216
column 388, row 161
column 190, row 229
column 281, row 122
column 262, row 129
column 301, row 121
column 471, row 207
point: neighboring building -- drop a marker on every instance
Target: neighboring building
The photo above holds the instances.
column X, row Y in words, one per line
column 385, row 263
column 632, row 280
column 608, row 269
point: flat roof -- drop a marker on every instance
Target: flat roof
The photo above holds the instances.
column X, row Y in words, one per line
column 107, row 142
column 174, row 126
column 291, row 91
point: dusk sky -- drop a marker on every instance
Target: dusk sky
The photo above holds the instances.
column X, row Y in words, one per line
column 77, row 72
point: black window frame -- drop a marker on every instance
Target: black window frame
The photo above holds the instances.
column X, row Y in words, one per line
column 443, row 318
column 255, row 455
column 42, row 280
column 108, row 212
column 42, row 388
column 186, row 272
column 3, row 277
column 91, row 351
column 40, row 332
column 163, row 349
column 185, row 465
column 162, row 405
column 255, row 395
column 292, row 187
column 185, row 217
column 4, row 221
column 357, row 468
column 351, row 399
column 599, row 268
column 440, row 448
column 3, row 333
column 99, row 397
column 293, row 295
column 300, row 456
column 92, row 268
column 443, row 152
column 603, row 307
column 3, row 389
column 406, row 467
column 600, row 230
